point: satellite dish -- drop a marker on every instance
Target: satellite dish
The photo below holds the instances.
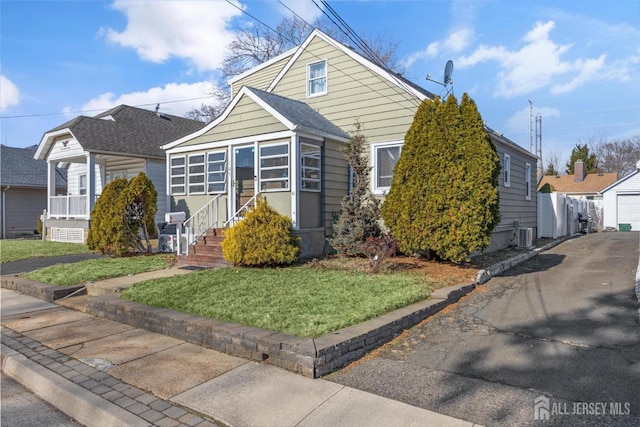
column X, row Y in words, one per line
column 448, row 70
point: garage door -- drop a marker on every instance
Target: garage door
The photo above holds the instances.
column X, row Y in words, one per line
column 629, row 210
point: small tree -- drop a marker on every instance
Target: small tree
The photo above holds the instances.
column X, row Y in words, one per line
column 360, row 214
column 581, row 152
column 123, row 210
column 262, row 238
column 444, row 196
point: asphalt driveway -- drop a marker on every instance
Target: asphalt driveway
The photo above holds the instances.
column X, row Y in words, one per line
column 564, row 326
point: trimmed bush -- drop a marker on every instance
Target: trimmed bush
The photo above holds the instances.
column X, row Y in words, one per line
column 264, row 238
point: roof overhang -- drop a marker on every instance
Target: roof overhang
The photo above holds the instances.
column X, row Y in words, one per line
column 47, row 141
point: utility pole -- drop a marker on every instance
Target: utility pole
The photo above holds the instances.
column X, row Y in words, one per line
column 539, row 144
column 530, row 120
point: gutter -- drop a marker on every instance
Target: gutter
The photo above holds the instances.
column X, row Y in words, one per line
column 4, row 211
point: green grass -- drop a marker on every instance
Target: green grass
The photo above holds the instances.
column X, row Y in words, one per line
column 16, row 250
column 297, row 301
column 96, row 269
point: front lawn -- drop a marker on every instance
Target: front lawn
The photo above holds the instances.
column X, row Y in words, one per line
column 299, row 301
column 16, row 250
column 97, row 269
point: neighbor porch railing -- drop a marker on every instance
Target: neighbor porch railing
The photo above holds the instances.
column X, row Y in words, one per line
column 205, row 218
column 69, row 206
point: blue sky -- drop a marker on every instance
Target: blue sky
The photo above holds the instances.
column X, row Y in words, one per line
column 578, row 62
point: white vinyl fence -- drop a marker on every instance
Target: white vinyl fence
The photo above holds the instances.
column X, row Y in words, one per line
column 559, row 215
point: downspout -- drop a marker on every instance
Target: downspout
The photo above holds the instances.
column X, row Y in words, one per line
column 4, row 212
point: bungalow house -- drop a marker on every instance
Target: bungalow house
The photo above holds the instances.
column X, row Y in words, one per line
column 118, row 143
column 23, row 183
column 280, row 137
column 621, row 201
column 580, row 185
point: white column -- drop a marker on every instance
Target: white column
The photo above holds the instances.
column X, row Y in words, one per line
column 51, row 183
column 294, row 181
column 91, row 183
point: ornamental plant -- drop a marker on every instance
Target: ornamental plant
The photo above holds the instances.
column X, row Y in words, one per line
column 443, row 198
column 264, row 238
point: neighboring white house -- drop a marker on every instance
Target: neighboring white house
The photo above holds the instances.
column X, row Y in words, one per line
column 622, row 201
column 119, row 143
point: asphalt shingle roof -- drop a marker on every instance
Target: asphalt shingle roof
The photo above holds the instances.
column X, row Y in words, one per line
column 19, row 168
column 133, row 131
column 592, row 183
column 299, row 113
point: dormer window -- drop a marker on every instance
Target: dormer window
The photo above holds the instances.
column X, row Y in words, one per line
column 317, row 78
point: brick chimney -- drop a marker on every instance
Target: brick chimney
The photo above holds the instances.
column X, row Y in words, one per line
column 578, row 171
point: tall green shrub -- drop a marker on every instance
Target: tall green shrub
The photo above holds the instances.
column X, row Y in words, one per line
column 122, row 212
column 444, row 197
column 262, row 238
column 360, row 216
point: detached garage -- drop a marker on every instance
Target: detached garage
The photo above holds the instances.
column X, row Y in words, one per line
column 621, row 201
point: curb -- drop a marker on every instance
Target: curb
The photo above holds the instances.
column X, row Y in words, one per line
column 72, row 399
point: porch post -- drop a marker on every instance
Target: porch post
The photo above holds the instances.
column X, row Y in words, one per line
column 293, row 182
column 51, row 183
column 91, row 183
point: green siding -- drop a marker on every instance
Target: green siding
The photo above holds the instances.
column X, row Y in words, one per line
column 262, row 79
column 335, row 182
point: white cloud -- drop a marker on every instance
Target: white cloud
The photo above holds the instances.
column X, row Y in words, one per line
column 455, row 42
column 9, row 94
column 155, row 95
column 303, row 8
column 535, row 65
column 197, row 31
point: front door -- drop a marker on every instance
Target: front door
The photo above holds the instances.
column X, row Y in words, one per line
column 244, row 176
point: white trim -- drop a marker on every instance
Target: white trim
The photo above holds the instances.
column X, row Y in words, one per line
column 223, row 172
column 235, row 141
column 170, row 175
column 354, row 55
column 624, row 178
column 294, row 181
column 527, row 181
column 326, row 78
column 506, row 168
column 373, row 160
column 48, row 139
column 203, row 174
column 302, row 168
column 290, row 167
column 231, row 188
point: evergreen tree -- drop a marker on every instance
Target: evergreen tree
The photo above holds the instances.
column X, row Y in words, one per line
column 360, row 214
column 581, row 152
column 551, row 170
column 444, row 197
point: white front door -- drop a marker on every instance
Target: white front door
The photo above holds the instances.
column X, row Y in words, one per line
column 243, row 176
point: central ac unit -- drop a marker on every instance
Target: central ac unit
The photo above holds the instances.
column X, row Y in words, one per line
column 166, row 243
column 525, row 237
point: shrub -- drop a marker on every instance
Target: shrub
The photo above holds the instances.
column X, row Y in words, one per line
column 378, row 249
column 262, row 238
column 40, row 225
column 360, row 216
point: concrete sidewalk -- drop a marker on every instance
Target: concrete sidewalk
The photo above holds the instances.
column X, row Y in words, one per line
column 101, row 372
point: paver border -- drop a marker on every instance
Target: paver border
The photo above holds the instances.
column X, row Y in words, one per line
column 309, row 357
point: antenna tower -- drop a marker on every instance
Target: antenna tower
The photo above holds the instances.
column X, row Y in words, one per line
column 539, row 144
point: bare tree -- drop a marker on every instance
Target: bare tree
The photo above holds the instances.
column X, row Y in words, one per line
column 618, row 155
column 209, row 112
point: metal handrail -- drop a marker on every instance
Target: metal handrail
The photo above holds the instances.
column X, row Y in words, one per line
column 237, row 215
column 204, row 219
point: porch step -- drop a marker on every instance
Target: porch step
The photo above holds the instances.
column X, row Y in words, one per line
column 207, row 251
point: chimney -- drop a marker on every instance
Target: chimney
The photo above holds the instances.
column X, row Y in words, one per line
column 578, row 171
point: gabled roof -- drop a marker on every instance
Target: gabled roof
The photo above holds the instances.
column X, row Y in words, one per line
column 383, row 72
column 123, row 130
column 592, row 183
column 624, row 178
column 497, row 136
column 294, row 115
column 19, row 168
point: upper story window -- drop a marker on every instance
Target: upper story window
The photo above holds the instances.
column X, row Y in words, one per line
column 274, row 167
column 196, row 174
column 310, row 167
column 178, row 175
column 216, row 172
column 317, row 78
column 527, row 181
column 385, row 157
column 506, row 170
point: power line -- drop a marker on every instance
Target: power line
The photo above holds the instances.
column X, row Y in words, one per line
column 101, row 109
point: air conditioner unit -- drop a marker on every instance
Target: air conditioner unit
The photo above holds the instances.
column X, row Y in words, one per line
column 166, row 243
column 525, row 237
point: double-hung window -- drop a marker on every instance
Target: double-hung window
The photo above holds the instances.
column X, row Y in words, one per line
column 178, row 175
column 216, row 172
column 385, row 157
column 310, row 167
column 274, row 167
column 82, row 185
column 527, row 181
column 506, row 172
column 196, row 174
column 317, row 78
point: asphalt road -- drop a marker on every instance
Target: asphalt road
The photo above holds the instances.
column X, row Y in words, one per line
column 564, row 326
column 21, row 408
column 31, row 264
